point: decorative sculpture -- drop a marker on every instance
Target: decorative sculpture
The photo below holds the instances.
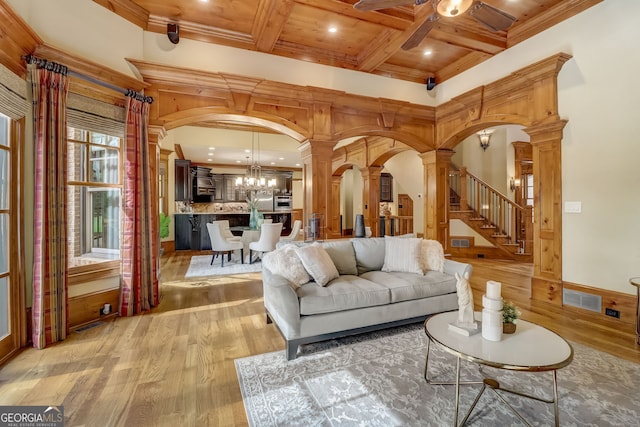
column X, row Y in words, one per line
column 465, row 302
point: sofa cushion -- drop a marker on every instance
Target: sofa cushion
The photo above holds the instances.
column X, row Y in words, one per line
column 342, row 255
column 369, row 253
column 343, row 293
column 318, row 263
column 408, row 286
column 432, row 256
column 285, row 262
column 402, row 254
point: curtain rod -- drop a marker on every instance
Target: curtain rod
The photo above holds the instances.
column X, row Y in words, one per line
column 62, row 69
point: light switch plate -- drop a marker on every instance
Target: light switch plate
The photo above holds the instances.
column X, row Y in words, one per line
column 573, row 207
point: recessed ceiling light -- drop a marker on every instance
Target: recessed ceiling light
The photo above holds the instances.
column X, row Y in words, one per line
column 281, row 158
column 273, row 163
column 298, row 164
column 238, row 161
column 427, row 52
column 333, row 29
column 209, row 160
column 247, row 151
column 212, row 148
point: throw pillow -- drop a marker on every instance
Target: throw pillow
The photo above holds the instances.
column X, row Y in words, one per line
column 318, row 263
column 342, row 255
column 432, row 256
column 402, row 254
column 285, row 262
column 369, row 253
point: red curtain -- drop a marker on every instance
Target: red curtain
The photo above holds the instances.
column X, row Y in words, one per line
column 140, row 243
column 49, row 89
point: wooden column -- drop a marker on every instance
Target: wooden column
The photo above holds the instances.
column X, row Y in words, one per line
column 436, row 197
column 371, row 197
column 334, row 208
column 546, row 284
column 317, row 182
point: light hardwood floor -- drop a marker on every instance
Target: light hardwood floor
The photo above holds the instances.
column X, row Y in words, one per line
column 175, row 365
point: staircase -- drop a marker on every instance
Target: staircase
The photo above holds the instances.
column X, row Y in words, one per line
column 491, row 214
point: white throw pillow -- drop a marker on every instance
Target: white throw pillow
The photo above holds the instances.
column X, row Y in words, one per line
column 402, row 254
column 432, row 256
column 285, row 262
column 318, row 263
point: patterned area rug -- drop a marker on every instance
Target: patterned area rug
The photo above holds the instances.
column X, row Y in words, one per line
column 200, row 266
column 377, row 379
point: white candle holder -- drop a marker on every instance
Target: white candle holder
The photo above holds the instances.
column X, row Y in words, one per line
column 492, row 312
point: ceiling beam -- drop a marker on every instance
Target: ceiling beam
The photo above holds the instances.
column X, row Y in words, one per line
column 388, row 42
column 548, row 18
column 271, row 17
column 458, row 35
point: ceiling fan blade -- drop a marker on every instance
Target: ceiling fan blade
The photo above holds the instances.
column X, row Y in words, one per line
column 421, row 32
column 491, row 17
column 367, row 5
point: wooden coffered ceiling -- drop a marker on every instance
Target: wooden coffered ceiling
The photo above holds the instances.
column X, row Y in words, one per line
column 364, row 41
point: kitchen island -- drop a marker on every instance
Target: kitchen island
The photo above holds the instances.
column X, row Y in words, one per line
column 191, row 227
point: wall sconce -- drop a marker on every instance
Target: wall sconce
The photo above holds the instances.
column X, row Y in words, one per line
column 485, row 137
column 514, row 183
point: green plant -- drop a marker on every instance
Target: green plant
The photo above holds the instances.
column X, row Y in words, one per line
column 510, row 313
column 165, row 220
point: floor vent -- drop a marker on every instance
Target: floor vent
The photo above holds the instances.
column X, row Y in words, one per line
column 582, row 300
column 89, row 326
column 460, row 243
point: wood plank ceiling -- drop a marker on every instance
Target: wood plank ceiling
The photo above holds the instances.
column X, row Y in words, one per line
column 365, row 41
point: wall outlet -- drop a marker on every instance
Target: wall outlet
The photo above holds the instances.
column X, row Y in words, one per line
column 611, row 312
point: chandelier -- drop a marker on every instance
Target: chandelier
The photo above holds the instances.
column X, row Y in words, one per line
column 253, row 179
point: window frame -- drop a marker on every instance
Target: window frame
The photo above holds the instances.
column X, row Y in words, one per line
column 87, row 186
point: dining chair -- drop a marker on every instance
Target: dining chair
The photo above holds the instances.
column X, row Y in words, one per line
column 268, row 221
column 269, row 236
column 220, row 244
column 226, row 231
column 295, row 231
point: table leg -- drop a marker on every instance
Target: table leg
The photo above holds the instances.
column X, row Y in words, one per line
column 455, row 417
column 555, row 398
column 638, row 318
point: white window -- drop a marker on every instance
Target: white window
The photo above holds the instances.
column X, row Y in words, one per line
column 94, row 180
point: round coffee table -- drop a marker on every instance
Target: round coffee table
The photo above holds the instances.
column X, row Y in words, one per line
column 531, row 348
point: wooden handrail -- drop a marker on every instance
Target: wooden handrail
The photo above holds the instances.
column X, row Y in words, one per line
column 489, row 204
column 396, row 225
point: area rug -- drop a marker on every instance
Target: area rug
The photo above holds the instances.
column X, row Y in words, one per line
column 377, row 379
column 200, row 265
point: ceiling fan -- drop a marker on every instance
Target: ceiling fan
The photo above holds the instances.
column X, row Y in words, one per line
column 492, row 18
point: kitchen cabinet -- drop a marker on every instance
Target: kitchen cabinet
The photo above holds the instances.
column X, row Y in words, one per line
column 218, row 182
column 205, row 240
column 386, row 187
column 186, row 229
column 183, row 186
column 191, row 229
column 233, row 192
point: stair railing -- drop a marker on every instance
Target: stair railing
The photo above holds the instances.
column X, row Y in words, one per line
column 489, row 204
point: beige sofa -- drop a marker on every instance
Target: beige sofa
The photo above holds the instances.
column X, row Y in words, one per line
column 359, row 295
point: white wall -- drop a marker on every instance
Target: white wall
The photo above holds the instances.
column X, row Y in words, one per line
column 407, row 171
column 598, row 95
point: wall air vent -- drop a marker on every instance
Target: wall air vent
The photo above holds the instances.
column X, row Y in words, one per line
column 460, row 243
column 582, row 300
